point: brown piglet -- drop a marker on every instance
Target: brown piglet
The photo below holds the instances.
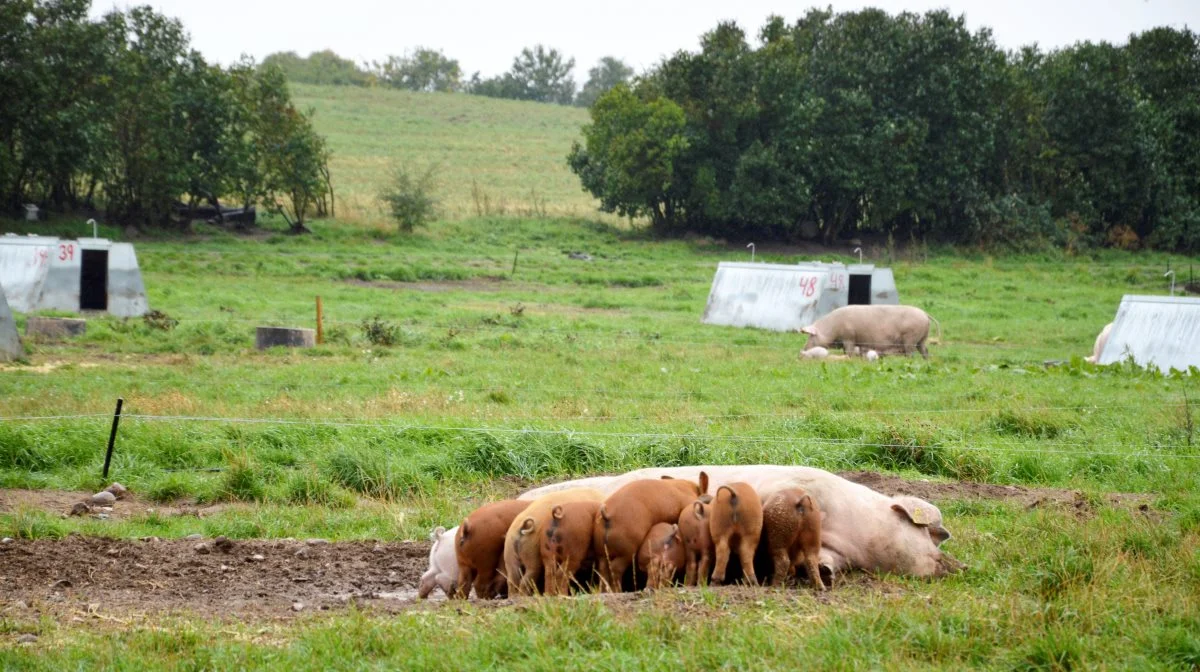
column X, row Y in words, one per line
column 697, row 543
column 567, row 544
column 522, row 544
column 735, row 522
column 792, row 524
column 479, row 546
column 661, row 555
column 626, row 517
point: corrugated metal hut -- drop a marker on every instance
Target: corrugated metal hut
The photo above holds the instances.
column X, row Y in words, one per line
column 1163, row 331
column 10, row 341
column 42, row 272
column 789, row 297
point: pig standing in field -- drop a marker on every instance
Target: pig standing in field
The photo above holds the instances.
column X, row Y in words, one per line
column 522, row 544
column 1101, row 341
column 443, row 564
column 662, row 555
column 884, row 329
column 479, row 545
column 567, row 545
column 861, row 529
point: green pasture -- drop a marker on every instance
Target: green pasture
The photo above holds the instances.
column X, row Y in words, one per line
column 475, row 358
column 492, row 156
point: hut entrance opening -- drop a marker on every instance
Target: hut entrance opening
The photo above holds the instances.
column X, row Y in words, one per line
column 860, row 289
column 93, row 280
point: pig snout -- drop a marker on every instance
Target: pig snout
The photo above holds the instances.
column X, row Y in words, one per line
column 947, row 565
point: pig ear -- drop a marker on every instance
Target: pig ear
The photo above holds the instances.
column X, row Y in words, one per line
column 915, row 514
column 527, row 526
column 557, row 512
column 667, row 478
column 463, row 530
column 676, row 533
column 703, row 482
column 809, row 330
column 698, row 510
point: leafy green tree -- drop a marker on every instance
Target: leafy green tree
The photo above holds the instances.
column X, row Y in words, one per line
column 424, row 70
column 147, row 165
column 1164, row 64
column 608, row 73
column 537, row 73
column 319, row 67
column 628, row 157
column 290, row 154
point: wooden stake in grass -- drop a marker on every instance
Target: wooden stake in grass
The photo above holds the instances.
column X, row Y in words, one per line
column 112, row 437
column 514, row 268
column 320, row 324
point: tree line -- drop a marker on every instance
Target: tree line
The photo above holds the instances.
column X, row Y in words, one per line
column 911, row 126
column 538, row 73
column 120, row 112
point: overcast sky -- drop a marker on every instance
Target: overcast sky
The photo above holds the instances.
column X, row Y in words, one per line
column 485, row 35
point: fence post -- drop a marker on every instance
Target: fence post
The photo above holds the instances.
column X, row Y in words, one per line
column 320, row 324
column 112, row 437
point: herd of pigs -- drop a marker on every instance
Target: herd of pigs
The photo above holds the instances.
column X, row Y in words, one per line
column 659, row 526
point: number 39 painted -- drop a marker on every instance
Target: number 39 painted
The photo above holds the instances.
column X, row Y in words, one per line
column 66, row 252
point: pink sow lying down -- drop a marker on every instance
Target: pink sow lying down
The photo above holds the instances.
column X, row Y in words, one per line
column 862, row 529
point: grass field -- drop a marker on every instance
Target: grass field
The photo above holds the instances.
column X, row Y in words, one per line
column 492, row 156
column 495, row 379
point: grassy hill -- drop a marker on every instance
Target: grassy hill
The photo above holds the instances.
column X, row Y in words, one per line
column 493, row 156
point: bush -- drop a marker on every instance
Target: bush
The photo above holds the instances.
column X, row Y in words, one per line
column 409, row 198
column 380, row 332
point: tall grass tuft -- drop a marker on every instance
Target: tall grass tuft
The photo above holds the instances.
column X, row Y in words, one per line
column 309, row 487
column 242, row 481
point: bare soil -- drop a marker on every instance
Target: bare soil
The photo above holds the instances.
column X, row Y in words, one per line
column 61, row 501
column 92, row 574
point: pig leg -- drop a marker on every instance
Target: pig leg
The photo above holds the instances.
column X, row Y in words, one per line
column 746, row 549
column 922, row 349
column 689, row 575
column 705, row 566
column 718, row 575
column 485, row 585
column 616, row 568
column 447, row 584
column 512, row 573
column 466, row 577
column 812, row 567
column 602, row 568
column 498, row 587
column 849, row 348
column 428, row 582
column 783, row 567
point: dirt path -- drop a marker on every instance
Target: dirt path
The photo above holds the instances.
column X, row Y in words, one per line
column 91, row 574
